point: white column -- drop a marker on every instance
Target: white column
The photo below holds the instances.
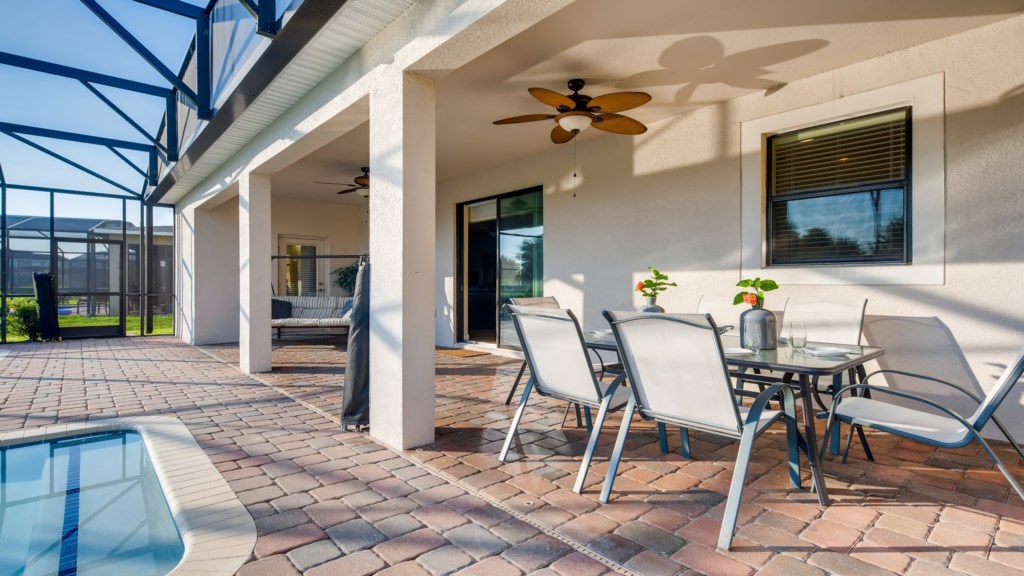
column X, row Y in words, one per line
column 402, row 243
column 254, row 335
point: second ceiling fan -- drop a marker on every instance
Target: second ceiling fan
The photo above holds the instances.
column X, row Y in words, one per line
column 362, row 184
column 578, row 111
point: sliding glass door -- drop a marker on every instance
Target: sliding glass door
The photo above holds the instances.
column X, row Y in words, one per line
column 501, row 247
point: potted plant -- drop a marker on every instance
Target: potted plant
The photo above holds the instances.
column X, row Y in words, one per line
column 757, row 325
column 345, row 277
column 651, row 287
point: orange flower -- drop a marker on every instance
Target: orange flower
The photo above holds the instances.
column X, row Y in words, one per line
column 639, row 286
column 750, row 298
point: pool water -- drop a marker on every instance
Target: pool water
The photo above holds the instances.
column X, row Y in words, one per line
column 84, row 505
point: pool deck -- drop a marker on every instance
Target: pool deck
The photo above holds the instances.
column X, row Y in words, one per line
column 330, row 502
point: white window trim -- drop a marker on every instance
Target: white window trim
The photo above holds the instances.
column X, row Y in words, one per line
column 928, row 185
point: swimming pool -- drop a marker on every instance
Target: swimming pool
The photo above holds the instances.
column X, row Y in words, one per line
column 84, row 505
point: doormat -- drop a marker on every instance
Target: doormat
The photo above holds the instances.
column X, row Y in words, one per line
column 460, row 352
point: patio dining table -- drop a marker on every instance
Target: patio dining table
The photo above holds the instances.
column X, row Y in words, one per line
column 780, row 365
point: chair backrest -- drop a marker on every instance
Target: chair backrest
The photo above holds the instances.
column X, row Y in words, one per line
column 541, row 301
column 837, row 322
column 995, row 396
column 676, row 368
column 553, row 344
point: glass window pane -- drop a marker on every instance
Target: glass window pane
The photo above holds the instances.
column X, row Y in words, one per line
column 858, row 226
column 301, row 278
column 838, row 192
column 520, row 256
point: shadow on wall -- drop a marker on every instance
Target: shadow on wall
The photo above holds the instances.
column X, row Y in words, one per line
column 926, row 346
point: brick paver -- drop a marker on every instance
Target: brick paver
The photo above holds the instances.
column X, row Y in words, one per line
column 327, row 501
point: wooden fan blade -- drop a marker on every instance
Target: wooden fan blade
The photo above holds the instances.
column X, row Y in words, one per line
column 618, row 101
column 524, row 118
column 350, row 190
column 560, row 135
column 362, row 181
column 618, row 124
column 552, row 98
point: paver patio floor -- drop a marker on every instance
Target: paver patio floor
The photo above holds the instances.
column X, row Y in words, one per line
column 333, row 502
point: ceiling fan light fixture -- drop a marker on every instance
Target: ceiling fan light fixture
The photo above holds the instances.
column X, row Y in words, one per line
column 575, row 121
column 364, row 192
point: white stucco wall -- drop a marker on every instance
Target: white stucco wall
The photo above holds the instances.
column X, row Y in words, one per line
column 342, row 227
column 215, row 289
column 671, row 198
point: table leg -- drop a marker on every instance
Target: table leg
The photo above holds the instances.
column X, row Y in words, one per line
column 811, row 435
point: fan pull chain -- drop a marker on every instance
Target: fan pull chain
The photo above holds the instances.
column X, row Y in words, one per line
column 574, row 147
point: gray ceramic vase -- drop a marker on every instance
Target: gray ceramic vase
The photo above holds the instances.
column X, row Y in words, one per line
column 651, row 305
column 757, row 327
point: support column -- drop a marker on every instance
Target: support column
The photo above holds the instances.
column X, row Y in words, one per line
column 254, row 335
column 402, row 239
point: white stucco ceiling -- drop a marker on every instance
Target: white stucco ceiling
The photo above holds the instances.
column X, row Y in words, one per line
column 686, row 54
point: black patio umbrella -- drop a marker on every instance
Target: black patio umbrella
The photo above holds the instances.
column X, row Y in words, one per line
column 355, row 403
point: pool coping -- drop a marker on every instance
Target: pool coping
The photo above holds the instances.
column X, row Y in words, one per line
column 217, row 531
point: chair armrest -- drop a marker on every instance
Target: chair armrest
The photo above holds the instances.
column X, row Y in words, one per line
column 762, row 400
column 966, row 392
column 892, row 392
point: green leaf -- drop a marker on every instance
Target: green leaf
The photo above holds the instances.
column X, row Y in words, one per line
column 745, row 284
column 767, row 285
column 738, row 299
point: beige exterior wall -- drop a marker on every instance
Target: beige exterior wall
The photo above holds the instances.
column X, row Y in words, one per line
column 672, row 199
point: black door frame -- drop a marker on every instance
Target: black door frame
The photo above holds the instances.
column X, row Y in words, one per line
column 460, row 265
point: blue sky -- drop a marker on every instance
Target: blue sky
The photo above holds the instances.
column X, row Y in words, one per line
column 66, row 32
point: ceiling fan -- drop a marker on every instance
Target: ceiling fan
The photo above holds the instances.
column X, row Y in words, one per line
column 362, row 183
column 578, row 111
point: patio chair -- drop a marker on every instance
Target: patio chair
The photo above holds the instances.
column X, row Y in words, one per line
column 679, row 377
column 946, row 430
column 560, row 368
column 552, row 303
column 543, row 302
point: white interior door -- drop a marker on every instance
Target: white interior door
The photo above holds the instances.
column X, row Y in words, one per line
column 302, row 273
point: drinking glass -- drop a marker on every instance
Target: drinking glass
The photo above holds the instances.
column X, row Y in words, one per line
column 798, row 336
column 754, row 345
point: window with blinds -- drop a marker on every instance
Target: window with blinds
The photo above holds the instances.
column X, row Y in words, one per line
column 301, row 273
column 840, row 193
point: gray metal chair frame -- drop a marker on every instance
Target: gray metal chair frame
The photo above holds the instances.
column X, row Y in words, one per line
column 602, row 398
column 552, row 302
column 974, row 424
column 746, row 430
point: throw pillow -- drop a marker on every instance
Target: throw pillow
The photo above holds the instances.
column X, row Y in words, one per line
column 346, row 310
column 280, row 309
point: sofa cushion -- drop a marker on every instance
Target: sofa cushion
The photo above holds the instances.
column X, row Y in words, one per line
column 280, row 309
column 346, row 311
column 309, row 322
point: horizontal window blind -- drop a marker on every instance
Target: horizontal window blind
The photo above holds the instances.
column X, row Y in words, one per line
column 857, row 152
column 839, row 192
